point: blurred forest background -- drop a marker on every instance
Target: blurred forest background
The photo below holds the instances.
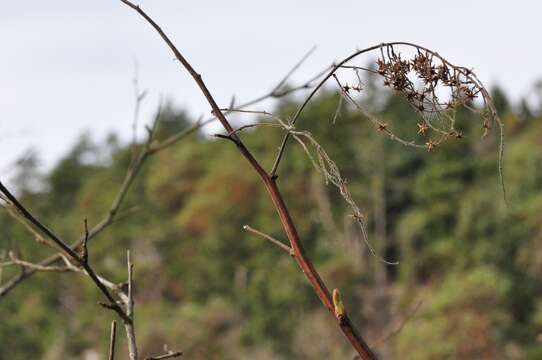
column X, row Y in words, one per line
column 467, row 286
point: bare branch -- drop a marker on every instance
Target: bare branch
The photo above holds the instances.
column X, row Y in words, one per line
column 112, row 215
column 293, row 70
column 64, row 247
column 35, row 222
column 139, row 96
column 253, row 125
column 167, row 355
column 36, row 267
column 2, row 258
column 16, row 280
column 279, row 243
column 129, row 325
column 380, row 125
column 112, row 340
column 85, row 244
column 399, row 327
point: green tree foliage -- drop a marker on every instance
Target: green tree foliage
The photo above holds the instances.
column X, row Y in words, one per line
column 216, row 292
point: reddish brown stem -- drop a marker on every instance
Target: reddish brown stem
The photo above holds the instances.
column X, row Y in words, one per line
column 310, row 272
column 270, row 183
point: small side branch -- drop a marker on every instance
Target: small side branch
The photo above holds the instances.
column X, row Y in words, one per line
column 84, row 255
column 129, row 324
column 399, row 327
column 279, row 243
column 167, row 355
column 112, row 340
column 36, row 267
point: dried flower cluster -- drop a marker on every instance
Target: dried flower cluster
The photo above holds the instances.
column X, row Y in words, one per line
column 434, row 74
column 434, row 88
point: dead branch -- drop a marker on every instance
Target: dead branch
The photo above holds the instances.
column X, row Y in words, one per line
column 129, row 325
column 278, row 243
column 63, row 246
column 168, row 354
column 112, row 340
column 398, row 327
column 25, row 264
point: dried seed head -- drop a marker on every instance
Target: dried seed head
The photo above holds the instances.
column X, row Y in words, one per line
column 422, row 128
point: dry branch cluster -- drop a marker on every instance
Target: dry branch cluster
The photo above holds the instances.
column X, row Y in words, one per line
column 436, row 75
column 437, row 114
column 435, row 88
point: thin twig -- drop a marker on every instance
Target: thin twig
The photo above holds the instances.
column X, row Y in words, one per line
column 258, row 124
column 37, row 267
column 293, row 70
column 112, row 340
column 139, row 97
column 2, row 257
column 168, row 355
column 279, row 243
column 399, row 327
column 85, row 243
column 129, row 325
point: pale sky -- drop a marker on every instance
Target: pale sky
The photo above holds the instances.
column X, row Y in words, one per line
column 66, row 66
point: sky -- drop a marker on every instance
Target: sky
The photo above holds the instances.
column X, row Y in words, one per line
column 67, row 67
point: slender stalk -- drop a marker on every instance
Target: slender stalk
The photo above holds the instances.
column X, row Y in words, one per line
column 129, row 325
column 112, row 340
column 278, row 243
column 168, row 355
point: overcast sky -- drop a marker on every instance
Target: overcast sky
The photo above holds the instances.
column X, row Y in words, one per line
column 67, row 66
